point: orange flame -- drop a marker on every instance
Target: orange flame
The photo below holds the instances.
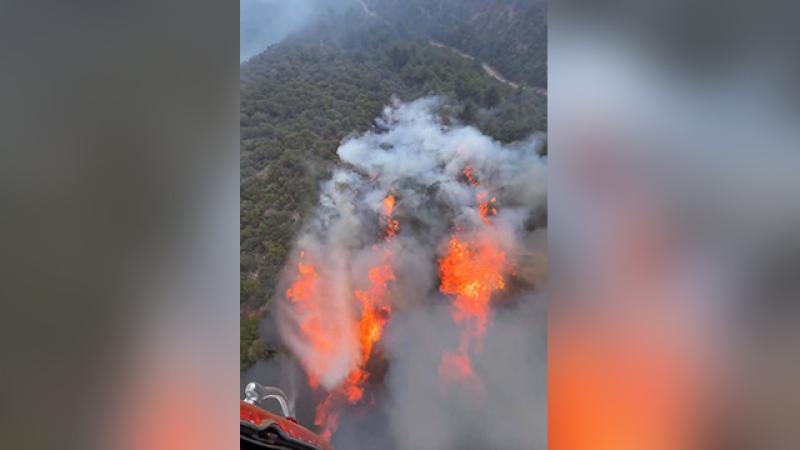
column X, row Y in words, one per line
column 303, row 294
column 392, row 226
column 375, row 309
column 470, row 272
column 470, row 176
column 305, row 284
column 326, row 417
column 388, row 204
column 486, row 208
column 375, row 312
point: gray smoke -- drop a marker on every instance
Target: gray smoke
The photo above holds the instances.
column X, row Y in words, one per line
column 266, row 22
column 420, row 159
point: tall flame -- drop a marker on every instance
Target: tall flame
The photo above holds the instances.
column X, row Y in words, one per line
column 388, row 205
column 303, row 294
column 471, row 271
column 392, row 225
column 375, row 313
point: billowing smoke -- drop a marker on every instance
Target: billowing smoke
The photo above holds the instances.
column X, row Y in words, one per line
column 412, row 297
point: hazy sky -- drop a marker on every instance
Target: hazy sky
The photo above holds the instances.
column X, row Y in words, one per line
column 265, row 22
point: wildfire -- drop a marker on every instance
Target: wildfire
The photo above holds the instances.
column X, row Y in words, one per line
column 471, row 271
column 305, row 284
column 470, row 177
column 486, row 208
column 388, row 205
column 375, row 313
column 392, row 225
column 304, row 298
column 375, row 309
column 407, row 243
column 392, row 228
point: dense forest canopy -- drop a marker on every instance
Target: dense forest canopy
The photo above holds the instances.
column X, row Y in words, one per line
column 511, row 35
column 301, row 97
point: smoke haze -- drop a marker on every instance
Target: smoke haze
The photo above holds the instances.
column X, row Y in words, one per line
column 266, row 22
column 439, row 177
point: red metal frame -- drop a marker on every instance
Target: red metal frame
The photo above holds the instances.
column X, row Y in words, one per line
column 259, row 418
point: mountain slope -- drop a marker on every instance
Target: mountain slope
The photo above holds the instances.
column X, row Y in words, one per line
column 511, row 35
column 303, row 96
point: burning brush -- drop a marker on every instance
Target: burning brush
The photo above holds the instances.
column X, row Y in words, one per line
column 412, row 195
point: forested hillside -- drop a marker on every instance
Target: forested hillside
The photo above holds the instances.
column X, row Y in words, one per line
column 302, row 97
column 511, row 35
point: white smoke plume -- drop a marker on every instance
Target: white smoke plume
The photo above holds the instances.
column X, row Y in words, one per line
column 419, row 159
